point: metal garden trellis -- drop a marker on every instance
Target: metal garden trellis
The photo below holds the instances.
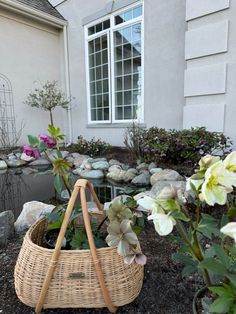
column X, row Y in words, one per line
column 8, row 136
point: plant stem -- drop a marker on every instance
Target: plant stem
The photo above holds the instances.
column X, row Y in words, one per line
column 51, row 118
column 65, row 181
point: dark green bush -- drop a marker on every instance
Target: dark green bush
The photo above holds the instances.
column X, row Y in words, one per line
column 178, row 147
column 93, row 147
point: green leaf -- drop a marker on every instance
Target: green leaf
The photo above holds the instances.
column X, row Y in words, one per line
column 184, row 259
column 221, row 254
column 210, row 252
column 33, row 141
column 42, row 146
column 188, row 270
column 218, row 290
column 58, row 183
column 59, row 154
column 78, row 240
column 137, row 229
column 221, row 305
column 180, row 216
column 213, row 266
column 232, row 278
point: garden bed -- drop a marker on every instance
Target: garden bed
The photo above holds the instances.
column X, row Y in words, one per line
column 164, row 291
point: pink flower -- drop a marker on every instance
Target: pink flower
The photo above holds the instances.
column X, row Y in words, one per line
column 49, row 141
column 30, row 151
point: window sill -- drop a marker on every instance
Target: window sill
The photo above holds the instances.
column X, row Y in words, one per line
column 112, row 125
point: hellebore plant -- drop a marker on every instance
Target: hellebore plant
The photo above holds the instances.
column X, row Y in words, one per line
column 204, row 241
column 124, row 226
column 46, row 145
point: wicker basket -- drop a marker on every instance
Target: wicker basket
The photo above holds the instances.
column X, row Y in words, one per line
column 57, row 278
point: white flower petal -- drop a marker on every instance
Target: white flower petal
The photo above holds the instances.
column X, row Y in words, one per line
column 147, row 202
column 229, row 230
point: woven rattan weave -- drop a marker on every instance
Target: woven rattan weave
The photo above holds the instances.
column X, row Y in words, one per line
column 75, row 280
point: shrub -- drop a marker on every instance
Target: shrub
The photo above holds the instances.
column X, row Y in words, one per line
column 133, row 139
column 185, row 146
column 93, row 147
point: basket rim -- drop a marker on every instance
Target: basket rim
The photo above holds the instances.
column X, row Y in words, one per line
column 41, row 220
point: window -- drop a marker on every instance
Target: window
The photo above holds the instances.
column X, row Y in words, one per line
column 115, row 67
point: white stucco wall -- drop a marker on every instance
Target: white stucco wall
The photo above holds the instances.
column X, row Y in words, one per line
column 30, row 52
column 164, row 31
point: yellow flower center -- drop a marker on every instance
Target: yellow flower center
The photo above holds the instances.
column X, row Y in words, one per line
column 213, row 182
column 231, row 168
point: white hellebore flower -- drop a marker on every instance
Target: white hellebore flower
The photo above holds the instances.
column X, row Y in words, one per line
column 230, row 162
column 163, row 223
column 150, row 203
column 218, row 182
column 230, row 230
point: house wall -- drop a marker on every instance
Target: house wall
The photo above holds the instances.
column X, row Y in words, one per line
column 164, row 29
column 30, row 52
column 210, row 52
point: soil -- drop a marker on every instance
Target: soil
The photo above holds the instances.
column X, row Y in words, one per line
column 164, row 290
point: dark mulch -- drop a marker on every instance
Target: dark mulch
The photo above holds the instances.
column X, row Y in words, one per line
column 164, row 291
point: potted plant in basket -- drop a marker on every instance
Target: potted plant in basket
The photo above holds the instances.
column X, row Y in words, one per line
column 206, row 241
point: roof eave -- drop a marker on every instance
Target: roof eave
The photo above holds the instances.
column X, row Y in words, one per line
column 33, row 13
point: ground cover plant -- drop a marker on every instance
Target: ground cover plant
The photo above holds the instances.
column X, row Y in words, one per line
column 93, row 147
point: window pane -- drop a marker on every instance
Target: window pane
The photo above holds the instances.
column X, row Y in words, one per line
column 99, row 87
column 119, row 19
column 118, row 38
column 91, row 30
column 137, row 11
column 99, row 27
column 128, row 70
column 128, row 15
column 106, row 24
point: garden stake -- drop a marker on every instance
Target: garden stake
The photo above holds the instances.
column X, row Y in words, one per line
column 80, row 186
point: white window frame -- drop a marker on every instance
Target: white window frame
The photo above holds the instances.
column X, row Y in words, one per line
column 111, row 62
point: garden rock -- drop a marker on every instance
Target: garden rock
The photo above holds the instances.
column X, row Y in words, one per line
column 114, row 168
column 166, row 175
column 100, row 165
column 152, row 166
column 79, row 159
column 41, row 161
column 129, row 176
column 155, row 170
column 6, row 227
column 86, row 165
column 11, row 156
column 125, row 167
column 27, row 171
column 26, row 157
column 117, row 175
column 92, row 160
column 142, row 166
column 89, row 174
column 30, row 213
column 15, row 163
column 141, row 180
column 53, row 155
column 133, row 170
column 159, row 185
column 3, row 165
column 3, row 156
column 113, row 162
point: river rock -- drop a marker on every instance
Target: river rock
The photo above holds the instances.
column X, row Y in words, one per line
column 125, row 166
column 89, row 174
column 3, row 156
column 3, row 165
column 114, row 168
column 166, row 175
column 92, row 160
column 100, row 165
column 27, row 171
column 159, row 185
column 53, row 154
column 6, row 227
column 129, row 176
column 11, row 156
column 142, row 166
column 155, row 170
column 41, row 161
column 30, row 213
column 79, row 159
column 113, row 162
column 152, row 165
column 26, row 157
column 15, row 163
column 117, row 175
column 141, row 180
column 133, row 170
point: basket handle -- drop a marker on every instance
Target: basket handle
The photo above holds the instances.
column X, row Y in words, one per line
column 79, row 186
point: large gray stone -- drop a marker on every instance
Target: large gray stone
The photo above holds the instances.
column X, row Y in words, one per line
column 15, row 163
column 3, row 165
column 92, row 160
column 79, row 160
column 117, row 175
column 159, row 185
column 129, row 176
column 100, row 165
column 166, row 175
column 26, row 157
column 113, row 162
column 142, row 166
column 141, row 180
column 6, row 227
column 27, row 171
column 114, row 168
column 53, row 154
column 155, row 170
column 152, row 165
column 30, row 213
column 90, row 174
column 40, row 162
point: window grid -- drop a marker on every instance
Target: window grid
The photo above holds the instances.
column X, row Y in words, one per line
column 128, row 77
